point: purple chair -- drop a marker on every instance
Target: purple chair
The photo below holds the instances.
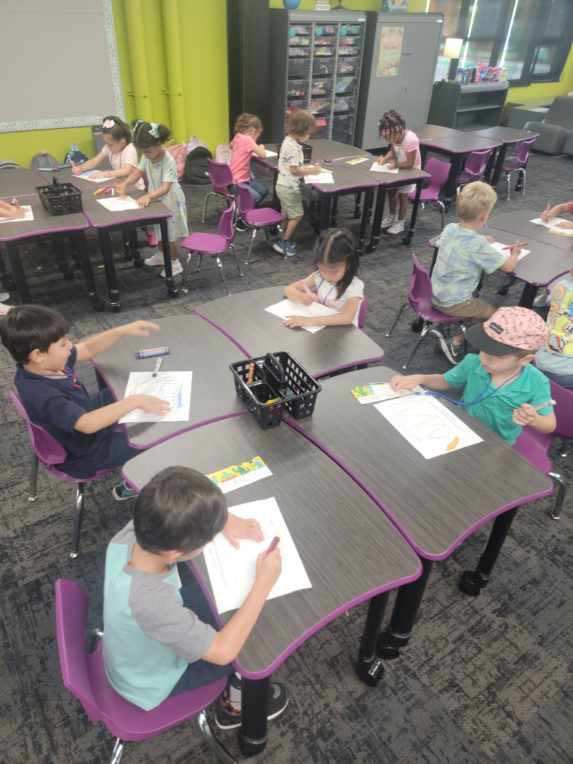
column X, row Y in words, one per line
column 440, row 172
column 84, row 676
column 50, row 453
column 420, row 300
column 534, row 447
column 221, row 179
column 362, row 310
column 518, row 163
column 255, row 219
column 563, row 398
column 215, row 244
column 475, row 167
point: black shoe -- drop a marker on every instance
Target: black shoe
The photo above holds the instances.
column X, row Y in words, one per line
column 241, row 226
column 227, row 717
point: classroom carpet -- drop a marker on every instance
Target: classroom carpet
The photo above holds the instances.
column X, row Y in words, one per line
column 483, row 680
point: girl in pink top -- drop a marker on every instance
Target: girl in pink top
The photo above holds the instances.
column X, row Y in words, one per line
column 404, row 153
column 248, row 129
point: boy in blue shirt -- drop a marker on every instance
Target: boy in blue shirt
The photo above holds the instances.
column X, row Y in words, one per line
column 499, row 387
column 160, row 636
column 55, row 399
column 464, row 255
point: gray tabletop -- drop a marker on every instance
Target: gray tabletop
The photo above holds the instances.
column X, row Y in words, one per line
column 505, row 134
column 43, row 223
column 436, row 503
column 519, row 223
column 334, row 157
column 20, row 180
column 451, row 141
column 194, row 346
column 244, row 318
column 349, row 549
column 544, row 262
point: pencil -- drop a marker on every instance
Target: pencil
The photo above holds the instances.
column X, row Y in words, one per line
column 273, row 545
column 251, row 374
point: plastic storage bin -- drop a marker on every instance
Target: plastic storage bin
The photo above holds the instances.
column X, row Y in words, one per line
column 60, row 198
column 279, row 385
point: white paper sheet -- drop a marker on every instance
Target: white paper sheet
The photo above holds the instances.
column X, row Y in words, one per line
column 89, row 176
column 373, row 393
column 320, row 177
column 554, row 226
column 503, row 248
column 119, row 203
column 232, row 571
column 27, row 214
column 286, row 308
column 375, row 167
column 427, row 425
column 270, row 154
column 171, row 386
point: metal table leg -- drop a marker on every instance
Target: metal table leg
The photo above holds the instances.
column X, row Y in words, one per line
column 410, row 232
column 369, row 667
column 377, row 221
column 18, row 272
column 110, row 274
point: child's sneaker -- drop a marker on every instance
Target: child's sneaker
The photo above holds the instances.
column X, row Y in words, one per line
column 398, row 227
column 176, row 267
column 241, row 226
column 279, row 246
column 122, row 492
column 154, row 260
column 290, row 249
column 387, row 221
column 454, row 351
column 228, row 715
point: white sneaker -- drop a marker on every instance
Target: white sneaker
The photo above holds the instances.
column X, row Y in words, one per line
column 176, row 267
column 398, row 227
column 388, row 221
column 156, row 259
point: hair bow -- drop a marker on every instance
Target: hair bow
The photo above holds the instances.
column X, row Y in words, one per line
column 108, row 124
column 154, row 129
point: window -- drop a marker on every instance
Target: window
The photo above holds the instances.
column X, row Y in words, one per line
column 530, row 39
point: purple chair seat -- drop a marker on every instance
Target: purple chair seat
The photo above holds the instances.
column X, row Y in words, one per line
column 206, row 243
column 84, row 676
column 264, row 216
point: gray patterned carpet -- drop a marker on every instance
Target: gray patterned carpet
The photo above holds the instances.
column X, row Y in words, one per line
column 485, row 680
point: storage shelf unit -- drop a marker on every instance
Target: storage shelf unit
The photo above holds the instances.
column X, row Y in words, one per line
column 467, row 106
column 316, row 65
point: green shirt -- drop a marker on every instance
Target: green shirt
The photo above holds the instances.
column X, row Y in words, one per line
column 495, row 406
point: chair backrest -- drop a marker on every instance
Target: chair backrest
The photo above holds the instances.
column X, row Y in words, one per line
column 523, row 148
column 71, row 637
column 534, row 446
column 439, row 170
column 223, row 153
column 561, row 112
column 226, row 225
column 362, row 310
column 563, row 409
column 420, row 289
column 220, row 176
column 476, row 162
column 46, row 448
column 246, row 201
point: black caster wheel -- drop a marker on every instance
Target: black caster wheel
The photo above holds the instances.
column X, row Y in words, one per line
column 471, row 583
column 416, row 325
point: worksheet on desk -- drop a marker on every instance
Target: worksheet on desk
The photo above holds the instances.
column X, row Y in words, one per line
column 27, row 214
column 171, row 386
column 320, row 177
column 375, row 167
column 232, row 571
column 119, row 203
column 286, row 308
column 270, row 154
column 554, row 226
column 374, row 393
column 89, row 176
column 428, row 425
column 504, row 249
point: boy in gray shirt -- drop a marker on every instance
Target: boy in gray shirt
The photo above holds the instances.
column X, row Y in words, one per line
column 160, row 636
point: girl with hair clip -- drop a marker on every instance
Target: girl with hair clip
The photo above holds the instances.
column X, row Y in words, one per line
column 404, row 153
column 158, row 167
column 248, row 129
column 334, row 282
column 118, row 151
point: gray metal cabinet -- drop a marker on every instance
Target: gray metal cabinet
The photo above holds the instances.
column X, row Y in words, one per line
column 398, row 71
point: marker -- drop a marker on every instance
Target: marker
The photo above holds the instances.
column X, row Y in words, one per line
column 157, row 366
column 519, row 244
column 251, row 374
column 273, row 546
column 550, row 402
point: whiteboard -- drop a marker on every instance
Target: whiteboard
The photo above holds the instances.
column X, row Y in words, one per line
column 58, row 64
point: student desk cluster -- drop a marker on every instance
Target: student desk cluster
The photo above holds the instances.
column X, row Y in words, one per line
column 23, row 184
column 366, row 512
column 349, row 172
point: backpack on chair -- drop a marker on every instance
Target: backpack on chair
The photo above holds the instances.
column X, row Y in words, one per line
column 196, row 162
column 44, row 161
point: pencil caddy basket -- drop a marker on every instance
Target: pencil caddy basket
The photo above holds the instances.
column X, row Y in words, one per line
column 279, row 385
column 60, row 198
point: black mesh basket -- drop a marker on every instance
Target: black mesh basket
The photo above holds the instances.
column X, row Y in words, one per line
column 60, row 198
column 279, row 384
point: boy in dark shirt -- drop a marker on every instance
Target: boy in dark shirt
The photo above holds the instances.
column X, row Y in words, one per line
column 56, row 400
